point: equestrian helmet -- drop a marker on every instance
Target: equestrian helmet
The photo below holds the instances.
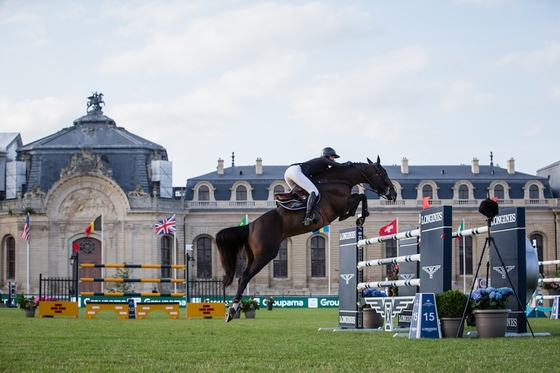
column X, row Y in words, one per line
column 327, row 152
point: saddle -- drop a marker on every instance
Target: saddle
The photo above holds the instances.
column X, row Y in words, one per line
column 295, row 199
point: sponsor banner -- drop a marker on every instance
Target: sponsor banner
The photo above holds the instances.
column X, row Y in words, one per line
column 279, row 301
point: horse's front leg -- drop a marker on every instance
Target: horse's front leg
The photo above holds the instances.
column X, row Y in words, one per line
column 352, row 205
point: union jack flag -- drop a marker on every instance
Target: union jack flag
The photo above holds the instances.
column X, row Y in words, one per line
column 166, row 226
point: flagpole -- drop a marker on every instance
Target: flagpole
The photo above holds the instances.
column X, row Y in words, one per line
column 27, row 266
column 464, row 262
column 102, row 254
column 329, row 258
column 175, row 258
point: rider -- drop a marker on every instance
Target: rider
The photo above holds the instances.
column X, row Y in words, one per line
column 299, row 173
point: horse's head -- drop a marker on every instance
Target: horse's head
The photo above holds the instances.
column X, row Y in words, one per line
column 379, row 181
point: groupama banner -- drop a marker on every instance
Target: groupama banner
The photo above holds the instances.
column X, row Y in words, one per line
column 279, row 301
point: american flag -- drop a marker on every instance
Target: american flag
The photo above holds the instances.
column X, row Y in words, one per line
column 166, row 226
column 25, row 233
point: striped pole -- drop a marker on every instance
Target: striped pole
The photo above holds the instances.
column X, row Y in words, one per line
column 384, row 261
column 416, row 233
column 548, row 262
column 553, row 279
column 107, row 294
column 383, row 284
column 122, row 265
column 396, row 236
column 120, row 279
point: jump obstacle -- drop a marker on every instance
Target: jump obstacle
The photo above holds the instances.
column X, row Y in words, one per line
column 131, row 309
column 435, row 234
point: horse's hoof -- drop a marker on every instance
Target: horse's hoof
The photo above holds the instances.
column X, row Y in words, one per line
column 230, row 314
column 360, row 221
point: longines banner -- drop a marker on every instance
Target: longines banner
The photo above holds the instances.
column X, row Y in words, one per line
column 280, row 302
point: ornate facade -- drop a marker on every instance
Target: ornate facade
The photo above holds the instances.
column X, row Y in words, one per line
column 95, row 168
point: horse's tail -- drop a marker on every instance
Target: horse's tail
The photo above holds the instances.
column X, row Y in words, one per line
column 230, row 242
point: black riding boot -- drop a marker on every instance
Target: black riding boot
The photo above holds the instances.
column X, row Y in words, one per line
column 309, row 215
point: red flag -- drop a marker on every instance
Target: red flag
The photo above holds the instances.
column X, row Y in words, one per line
column 389, row 229
column 495, row 199
column 425, row 203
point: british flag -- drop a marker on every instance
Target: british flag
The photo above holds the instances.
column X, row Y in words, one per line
column 166, row 226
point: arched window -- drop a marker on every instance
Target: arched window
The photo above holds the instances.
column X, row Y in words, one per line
column 534, row 192
column 203, row 193
column 204, row 258
column 537, row 242
column 465, row 249
column 463, row 192
column 281, row 261
column 241, row 263
column 427, row 191
column 318, row 264
column 499, row 191
column 166, row 256
column 390, row 252
column 278, row 189
column 241, row 193
column 11, row 257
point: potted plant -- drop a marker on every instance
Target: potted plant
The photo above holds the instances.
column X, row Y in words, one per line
column 249, row 307
column 488, row 308
column 28, row 305
column 269, row 302
column 370, row 318
column 450, row 306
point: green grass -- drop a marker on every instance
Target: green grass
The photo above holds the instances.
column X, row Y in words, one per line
column 279, row 340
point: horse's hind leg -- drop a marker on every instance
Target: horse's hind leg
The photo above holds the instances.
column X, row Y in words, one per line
column 253, row 267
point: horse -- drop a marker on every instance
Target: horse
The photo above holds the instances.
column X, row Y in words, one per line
column 262, row 237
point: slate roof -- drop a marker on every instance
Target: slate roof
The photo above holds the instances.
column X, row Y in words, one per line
column 445, row 176
column 125, row 153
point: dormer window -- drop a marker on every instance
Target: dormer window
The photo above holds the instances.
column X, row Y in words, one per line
column 499, row 191
column 241, row 193
column 203, row 193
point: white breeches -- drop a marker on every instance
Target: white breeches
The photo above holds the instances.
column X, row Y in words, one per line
column 294, row 176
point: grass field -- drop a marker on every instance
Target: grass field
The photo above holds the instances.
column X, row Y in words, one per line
column 284, row 340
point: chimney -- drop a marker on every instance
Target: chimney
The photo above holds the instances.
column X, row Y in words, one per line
column 474, row 166
column 220, row 166
column 404, row 166
column 258, row 166
column 511, row 166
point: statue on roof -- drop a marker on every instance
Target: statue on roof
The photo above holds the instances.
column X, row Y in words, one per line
column 95, row 101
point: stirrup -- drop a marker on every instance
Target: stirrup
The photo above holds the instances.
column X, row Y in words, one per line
column 309, row 219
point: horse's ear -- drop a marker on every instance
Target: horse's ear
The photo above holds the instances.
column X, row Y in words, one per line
column 378, row 160
column 369, row 161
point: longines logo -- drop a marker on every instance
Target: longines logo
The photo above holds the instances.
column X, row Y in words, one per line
column 347, row 277
column 432, row 218
column 406, row 276
column 502, row 271
column 431, row 270
column 503, row 219
column 346, row 235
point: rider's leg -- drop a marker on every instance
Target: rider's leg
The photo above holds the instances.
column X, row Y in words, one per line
column 309, row 215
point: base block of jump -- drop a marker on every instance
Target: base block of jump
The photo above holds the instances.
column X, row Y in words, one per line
column 48, row 308
column 171, row 308
column 555, row 313
column 425, row 321
column 206, row 309
column 120, row 308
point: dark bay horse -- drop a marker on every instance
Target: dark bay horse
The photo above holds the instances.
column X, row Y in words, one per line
column 262, row 237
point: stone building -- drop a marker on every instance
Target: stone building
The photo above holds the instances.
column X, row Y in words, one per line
column 95, row 168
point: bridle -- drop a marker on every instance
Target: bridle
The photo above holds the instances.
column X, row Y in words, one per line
column 373, row 185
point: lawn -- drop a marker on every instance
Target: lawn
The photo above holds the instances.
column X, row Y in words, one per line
column 280, row 340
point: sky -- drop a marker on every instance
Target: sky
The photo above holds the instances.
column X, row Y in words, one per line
column 439, row 82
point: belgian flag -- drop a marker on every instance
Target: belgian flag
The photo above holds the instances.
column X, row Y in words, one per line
column 95, row 225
